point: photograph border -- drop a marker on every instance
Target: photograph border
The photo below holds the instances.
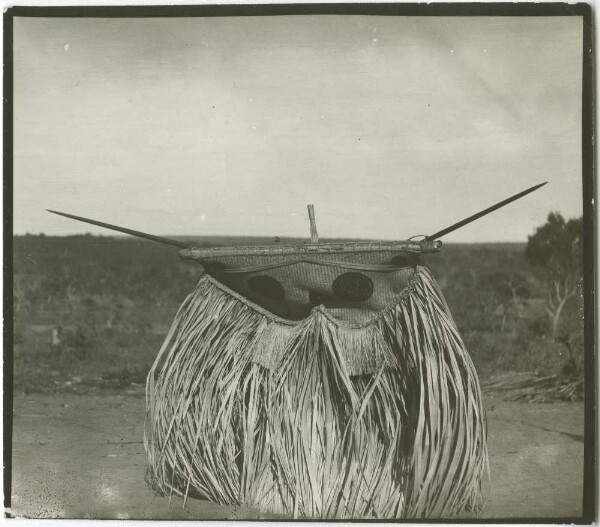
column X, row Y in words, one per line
column 589, row 506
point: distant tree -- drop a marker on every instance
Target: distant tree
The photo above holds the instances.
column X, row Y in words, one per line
column 555, row 254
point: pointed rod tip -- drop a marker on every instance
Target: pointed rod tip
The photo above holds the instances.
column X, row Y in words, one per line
column 58, row 213
column 535, row 187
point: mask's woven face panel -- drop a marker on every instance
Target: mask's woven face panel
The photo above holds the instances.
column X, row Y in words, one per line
column 353, row 290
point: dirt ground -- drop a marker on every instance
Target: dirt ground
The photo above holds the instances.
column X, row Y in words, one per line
column 80, row 456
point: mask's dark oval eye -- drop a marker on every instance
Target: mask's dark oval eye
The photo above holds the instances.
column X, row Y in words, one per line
column 267, row 287
column 406, row 260
column 352, row 286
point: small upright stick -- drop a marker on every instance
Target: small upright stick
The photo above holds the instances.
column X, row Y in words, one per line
column 314, row 237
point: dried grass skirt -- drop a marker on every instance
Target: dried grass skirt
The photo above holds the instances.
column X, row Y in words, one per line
column 318, row 418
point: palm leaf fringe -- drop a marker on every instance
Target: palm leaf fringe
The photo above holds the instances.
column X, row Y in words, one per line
column 318, row 418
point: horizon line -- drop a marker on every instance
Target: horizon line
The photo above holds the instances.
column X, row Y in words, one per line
column 186, row 237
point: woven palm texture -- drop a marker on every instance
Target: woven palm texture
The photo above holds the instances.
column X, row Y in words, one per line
column 329, row 413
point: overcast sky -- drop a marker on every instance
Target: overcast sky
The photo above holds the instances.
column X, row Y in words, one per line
column 391, row 126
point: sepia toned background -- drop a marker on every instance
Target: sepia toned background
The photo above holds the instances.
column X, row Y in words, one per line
column 391, row 126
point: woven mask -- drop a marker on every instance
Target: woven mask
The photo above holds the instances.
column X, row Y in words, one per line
column 322, row 381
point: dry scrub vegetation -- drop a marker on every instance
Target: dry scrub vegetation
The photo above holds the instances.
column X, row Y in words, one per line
column 90, row 313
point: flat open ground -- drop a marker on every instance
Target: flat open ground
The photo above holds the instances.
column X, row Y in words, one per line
column 80, row 456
